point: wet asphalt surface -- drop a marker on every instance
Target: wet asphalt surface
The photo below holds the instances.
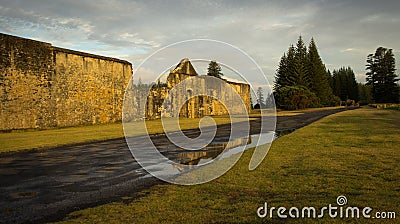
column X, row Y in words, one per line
column 45, row 185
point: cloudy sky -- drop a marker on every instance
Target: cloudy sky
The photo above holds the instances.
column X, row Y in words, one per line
column 345, row 31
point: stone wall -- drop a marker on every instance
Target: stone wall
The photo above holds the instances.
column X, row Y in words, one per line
column 198, row 106
column 42, row 86
column 89, row 89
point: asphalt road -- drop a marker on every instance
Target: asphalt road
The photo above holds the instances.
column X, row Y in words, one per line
column 45, row 185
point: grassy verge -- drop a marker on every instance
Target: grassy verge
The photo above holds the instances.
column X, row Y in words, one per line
column 25, row 140
column 30, row 139
column 354, row 153
column 389, row 106
column 394, row 108
column 257, row 113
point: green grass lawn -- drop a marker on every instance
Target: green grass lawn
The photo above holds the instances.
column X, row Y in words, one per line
column 394, row 108
column 354, row 153
column 20, row 140
column 31, row 139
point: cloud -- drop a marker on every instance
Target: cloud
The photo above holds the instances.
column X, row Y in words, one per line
column 345, row 31
column 347, row 50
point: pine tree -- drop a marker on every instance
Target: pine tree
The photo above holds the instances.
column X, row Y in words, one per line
column 365, row 94
column 345, row 84
column 214, row 69
column 336, row 83
column 381, row 76
column 330, row 78
column 281, row 77
column 260, row 97
column 270, row 102
column 302, row 74
column 300, row 64
column 319, row 78
column 285, row 72
column 353, row 85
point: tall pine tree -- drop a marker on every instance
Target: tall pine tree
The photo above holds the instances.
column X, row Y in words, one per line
column 284, row 74
column 365, row 94
column 300, row 71
column 381, row 76
column 345, row 84
column 318, row 76
column 301, row 79
column 260, row 97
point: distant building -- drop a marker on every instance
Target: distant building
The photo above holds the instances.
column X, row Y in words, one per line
column 197, row 106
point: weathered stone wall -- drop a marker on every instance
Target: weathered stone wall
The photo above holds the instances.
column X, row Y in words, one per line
column 244, row 91
column 201, row 106
column 26, row 72
column 42, row 86
column 198, row 106
column 89, row 89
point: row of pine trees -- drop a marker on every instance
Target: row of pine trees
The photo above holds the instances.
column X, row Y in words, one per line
column 302, row 80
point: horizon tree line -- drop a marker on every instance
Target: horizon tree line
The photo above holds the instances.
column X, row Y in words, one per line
column 302, row 80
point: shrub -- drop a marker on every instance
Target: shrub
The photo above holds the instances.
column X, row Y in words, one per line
column 295, row 97
column 334, row 101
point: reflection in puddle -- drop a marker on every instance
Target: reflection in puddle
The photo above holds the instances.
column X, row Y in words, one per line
column 187, row 159
column 177, row 161
column 210, row 152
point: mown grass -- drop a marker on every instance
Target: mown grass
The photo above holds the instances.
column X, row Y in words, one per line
column 279, row 112
column 20, row 140
column 31, row 139
column 354, row 153
column 394, row 108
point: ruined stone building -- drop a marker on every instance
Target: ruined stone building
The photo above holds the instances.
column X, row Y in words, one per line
column 197, row 106
column 43, row 86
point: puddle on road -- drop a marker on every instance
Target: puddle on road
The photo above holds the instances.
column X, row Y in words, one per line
column 214, row 149
column 210, row 152
column 182, row 161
